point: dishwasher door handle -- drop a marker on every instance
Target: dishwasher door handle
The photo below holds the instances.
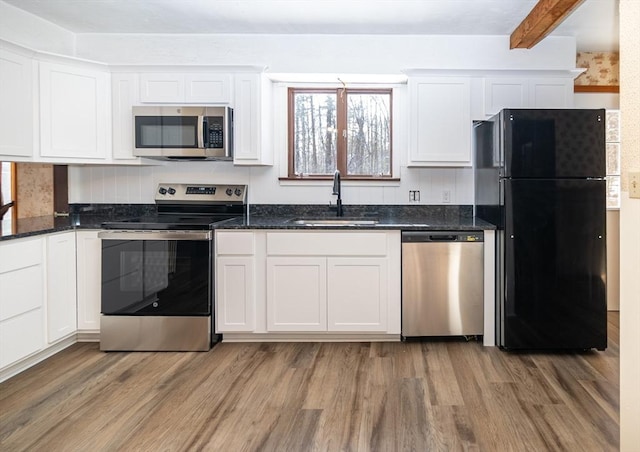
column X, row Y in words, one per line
column 443, row 238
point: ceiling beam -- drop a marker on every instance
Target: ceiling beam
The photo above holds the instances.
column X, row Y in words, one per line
column 543, row 18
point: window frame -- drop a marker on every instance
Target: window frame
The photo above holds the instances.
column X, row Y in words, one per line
column 341, row 124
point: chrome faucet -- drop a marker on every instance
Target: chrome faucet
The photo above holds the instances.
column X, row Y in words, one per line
column 336, row 191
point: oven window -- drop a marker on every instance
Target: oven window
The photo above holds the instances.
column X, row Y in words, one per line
column 155, row 277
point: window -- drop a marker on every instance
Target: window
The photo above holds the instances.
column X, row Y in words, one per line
column 344, row 129
column 7, row 188
column 612, row 139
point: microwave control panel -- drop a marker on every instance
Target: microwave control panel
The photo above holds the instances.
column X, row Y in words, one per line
column 215, row 132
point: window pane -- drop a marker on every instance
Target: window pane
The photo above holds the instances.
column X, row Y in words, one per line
column 613, row 191
column 369, row 134
column 314, row 133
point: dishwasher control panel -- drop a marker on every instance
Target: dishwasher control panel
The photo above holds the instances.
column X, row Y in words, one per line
column 442, row 236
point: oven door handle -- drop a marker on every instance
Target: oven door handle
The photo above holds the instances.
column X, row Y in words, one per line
column 155, row 235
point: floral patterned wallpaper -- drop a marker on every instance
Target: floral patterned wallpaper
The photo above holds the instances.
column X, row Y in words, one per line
column 603, row 68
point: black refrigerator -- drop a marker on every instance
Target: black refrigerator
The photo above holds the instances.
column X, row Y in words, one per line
column 540, row 178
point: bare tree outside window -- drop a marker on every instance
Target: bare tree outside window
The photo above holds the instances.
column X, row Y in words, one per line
column 343, row 129
column 369, row 135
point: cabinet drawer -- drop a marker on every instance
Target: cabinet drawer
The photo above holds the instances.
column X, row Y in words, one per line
column 20, row 254
column 22, row 291
column 21, row 336
column 327, row 243
column 235, row 243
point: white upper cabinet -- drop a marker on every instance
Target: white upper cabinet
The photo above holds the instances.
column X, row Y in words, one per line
column 186, row 88
column 439, row 121
column 505, row 92
column 16, row 106
column 74, row 113
column 252, row 120
column 551, row 92
column 124, row 90
column 527, row 92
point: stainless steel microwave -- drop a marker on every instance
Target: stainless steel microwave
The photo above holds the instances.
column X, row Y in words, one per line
column 183, row 133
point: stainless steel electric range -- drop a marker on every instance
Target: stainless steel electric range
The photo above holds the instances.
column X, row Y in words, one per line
column 157, row 271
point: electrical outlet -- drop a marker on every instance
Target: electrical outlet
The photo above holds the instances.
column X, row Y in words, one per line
column 414, row 195
column 446, row 196
column 634, row 185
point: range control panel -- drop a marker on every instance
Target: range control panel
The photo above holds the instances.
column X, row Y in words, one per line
column 201, row 193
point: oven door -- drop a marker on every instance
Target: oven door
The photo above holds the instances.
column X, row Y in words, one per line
column 156, row 273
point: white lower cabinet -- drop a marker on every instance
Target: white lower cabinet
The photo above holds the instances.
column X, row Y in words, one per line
column 22, row 299
column 61, row 285
column 291, row 283
column 357, row 295
column 296, row 294
column 88, row 280
column 235, row 289
column 235, row 281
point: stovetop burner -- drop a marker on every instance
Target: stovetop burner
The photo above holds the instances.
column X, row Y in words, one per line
column 189, row 207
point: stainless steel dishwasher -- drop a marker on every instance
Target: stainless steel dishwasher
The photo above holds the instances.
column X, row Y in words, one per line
column 442, row 283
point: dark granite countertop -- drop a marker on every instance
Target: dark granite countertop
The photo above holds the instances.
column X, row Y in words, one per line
column 404, row 223
column 266, row 217
column 386, row 217
column 27, row 227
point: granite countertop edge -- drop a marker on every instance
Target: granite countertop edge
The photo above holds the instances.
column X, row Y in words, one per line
column 278, row 218
column 32, row 227
column 405, row 224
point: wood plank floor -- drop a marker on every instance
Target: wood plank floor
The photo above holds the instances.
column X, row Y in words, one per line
column 416, row 396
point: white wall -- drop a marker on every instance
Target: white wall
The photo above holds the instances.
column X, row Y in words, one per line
column 629, row 228
column 329, row 53
column 24, row 28
column 610, row 101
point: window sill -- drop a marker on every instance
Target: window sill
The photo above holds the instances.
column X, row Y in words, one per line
column 350, row 181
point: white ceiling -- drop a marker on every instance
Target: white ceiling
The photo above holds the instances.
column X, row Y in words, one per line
column 594, row 23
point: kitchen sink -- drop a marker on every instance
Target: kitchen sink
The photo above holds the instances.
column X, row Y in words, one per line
column 334, row 222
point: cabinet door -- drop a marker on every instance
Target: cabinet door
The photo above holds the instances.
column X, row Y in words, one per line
column 89, row 286
column 16, row 107
column 124, row 90
column 74, row 112
column 502, row 92
column 61, row 285
column 296, row 294
column 161, row 87
column 440, row 121
column 207, row 88
column 252, row 145
column 551, row 92
column 235, row 294
column 357, row 294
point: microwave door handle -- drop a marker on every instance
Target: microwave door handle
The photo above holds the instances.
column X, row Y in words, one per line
column 200, row 132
